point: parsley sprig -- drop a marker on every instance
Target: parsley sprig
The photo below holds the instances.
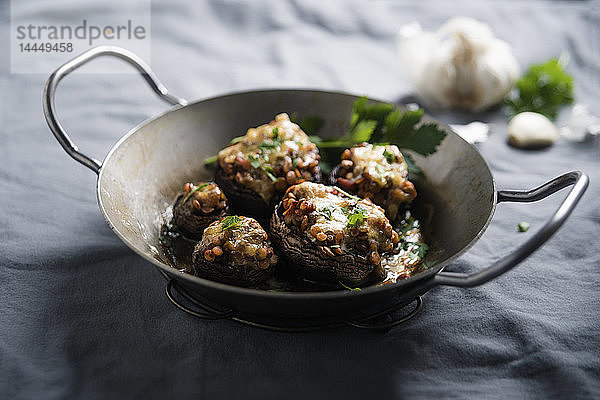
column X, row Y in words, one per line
column 255, row 162
column 389, row 156
column 230, row 221
column 356, row 217
column 543, row 89
column 327, row 212
column 196, row 189
column 350, row 288
column 382, row 123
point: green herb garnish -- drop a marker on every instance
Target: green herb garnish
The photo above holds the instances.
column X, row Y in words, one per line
column 417, row 249
column 362, row 110
column 327, row 212
column 356, row 198
column 197, row 188
column 356, row 217
column 311, row 124
column 409, row 225
column 269, row 145
column 230, row 221
column 267, row 169
column 382, row 123
column 349, row 288
column 275, row 132
column 389, row 156
column 210, row 160
column 543, row 89
column 254, row 161
column 523, row 226
column 422, row 249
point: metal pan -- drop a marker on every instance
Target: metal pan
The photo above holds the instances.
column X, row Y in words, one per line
column 142, row 172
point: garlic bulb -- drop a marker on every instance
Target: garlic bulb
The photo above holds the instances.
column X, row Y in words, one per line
column 461, row 65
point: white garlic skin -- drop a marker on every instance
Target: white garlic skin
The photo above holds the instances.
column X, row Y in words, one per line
column 531, row 130
column 461, row 65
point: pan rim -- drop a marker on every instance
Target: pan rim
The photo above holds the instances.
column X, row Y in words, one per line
column 321, row 295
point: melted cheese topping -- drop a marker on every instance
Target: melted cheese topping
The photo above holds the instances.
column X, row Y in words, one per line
column 401, row 264
column 333, row 213
column 245, row 237
column 371, row 162
column 269, row 148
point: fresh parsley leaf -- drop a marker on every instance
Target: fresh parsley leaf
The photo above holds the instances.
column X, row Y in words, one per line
column 406, row 245
column 311, row 124
column 210, row 160
column 267, row 169
column 544, row 88
column 269, row 172
column 397, row 123
column 422, row 249
column 196, row 189
column 417, row 249
column 362, row 131
column 410, row 164
column 268, row 145
column 409, row 225
column 425, row 139
column 363, row 110
column 230, row 221
column 254, row 161
column 351, row 196
column 356, row 217
column 381, row 123
column 401, row 130
column 389, row 156
column 327, row 212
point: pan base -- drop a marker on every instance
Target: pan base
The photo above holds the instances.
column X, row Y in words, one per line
column 383, row 319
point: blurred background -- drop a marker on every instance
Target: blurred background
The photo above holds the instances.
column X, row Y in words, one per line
column 82, row 316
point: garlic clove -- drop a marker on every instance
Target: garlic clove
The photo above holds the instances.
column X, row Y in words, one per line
column 531, row 130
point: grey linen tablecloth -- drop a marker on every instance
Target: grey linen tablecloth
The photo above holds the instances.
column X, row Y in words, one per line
column 82, row 316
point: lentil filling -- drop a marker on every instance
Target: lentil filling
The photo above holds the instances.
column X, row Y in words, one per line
column 337, row 222
column 270, row 158
column 378, row 173
column 197, row 207
column 238, row 241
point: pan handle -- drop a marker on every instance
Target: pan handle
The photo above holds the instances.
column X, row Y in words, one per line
column 577, row 179
column 50, row 92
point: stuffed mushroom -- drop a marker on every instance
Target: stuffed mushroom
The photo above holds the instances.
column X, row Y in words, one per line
column 378, row 173
column 257, row 168
column 197, row 207
column 235, row 250
column 330, row 235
